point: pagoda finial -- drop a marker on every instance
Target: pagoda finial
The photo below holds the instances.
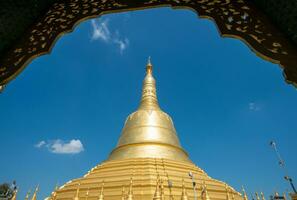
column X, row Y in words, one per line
column 204, row 192
column 34, row 197
column 244, row 194
column 149, row 93
column 101, row 195
column 130, row 193
column 262, row 196
column 27, row 195
column 76, row 197
column 123, row 193
column 184, row 195
column 149, row 66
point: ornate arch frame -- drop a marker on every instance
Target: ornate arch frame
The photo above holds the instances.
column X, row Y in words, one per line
column 238, row 19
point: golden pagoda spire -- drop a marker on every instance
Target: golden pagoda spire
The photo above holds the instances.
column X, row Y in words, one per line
column 130, row 193
column 184, row 195
column 101, row 195
column 205, row 195
column 149, row 132
column 77, row 192
column 257, row 196
column 123, row 193
column 157, row 195
column 245, row 197
column 149, row 92
column 27, row 195
column 262, row 196
column 34, row 197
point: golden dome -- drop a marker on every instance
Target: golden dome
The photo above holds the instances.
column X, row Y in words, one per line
column 148, row 160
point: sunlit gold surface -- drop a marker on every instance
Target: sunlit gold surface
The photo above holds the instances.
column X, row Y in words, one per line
column 144, row 172
column 147, row 157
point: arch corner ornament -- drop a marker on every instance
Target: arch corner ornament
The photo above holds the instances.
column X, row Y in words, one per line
column 238, row 19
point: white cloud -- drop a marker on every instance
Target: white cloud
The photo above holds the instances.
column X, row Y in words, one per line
column 61, row 147
column 101, row 31
column 123, row 44
column 40, row 144
column 253, row 106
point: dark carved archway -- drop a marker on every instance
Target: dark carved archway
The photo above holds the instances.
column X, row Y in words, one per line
column 234, row 18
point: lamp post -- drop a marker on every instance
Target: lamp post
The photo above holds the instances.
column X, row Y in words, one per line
column 194, row 184
column 282, row 165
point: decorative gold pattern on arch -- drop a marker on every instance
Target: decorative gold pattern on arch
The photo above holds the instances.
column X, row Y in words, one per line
column 234, row 18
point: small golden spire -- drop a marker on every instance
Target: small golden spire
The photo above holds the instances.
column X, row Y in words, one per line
column 27, row 195
column 76, row 197
column 123, row 193
column 162, row 190
column 284, row 195
column 245, row 197
column 14, row 194
column 157, row 195
column 257, row 196
column 87, row 194
column 101, row 195
column 56, row 187
column 34, row 197
column 130, row 193
column 204, row 193
column 233, row 196
column 227, row 192
column 184, row 195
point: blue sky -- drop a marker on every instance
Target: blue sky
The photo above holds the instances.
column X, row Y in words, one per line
column 226, row 103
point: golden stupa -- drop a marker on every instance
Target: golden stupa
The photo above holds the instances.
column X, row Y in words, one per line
column 148, row 163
